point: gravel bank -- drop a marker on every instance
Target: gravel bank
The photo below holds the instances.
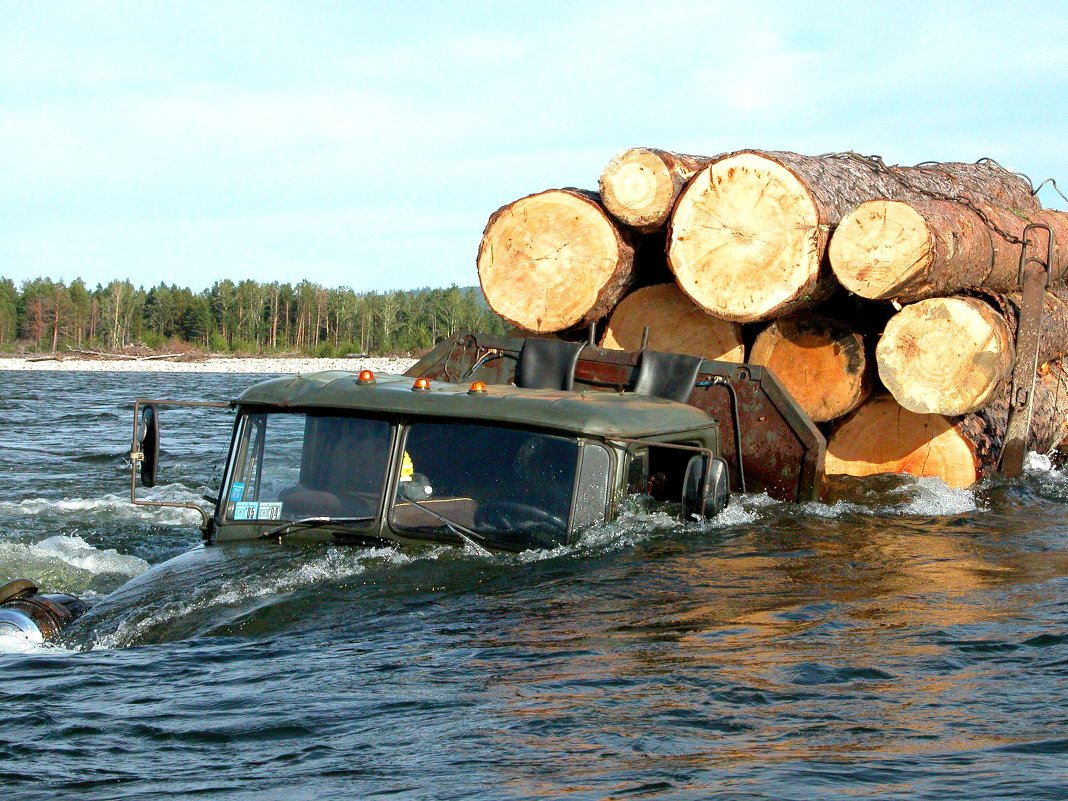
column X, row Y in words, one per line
column 210, row 365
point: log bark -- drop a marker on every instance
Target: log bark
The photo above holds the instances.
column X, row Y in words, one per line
column 820, row 360
column 950, row 355
column 639, row 186
column 676, row 325
column 883, row 437
column 748, row 236
column 554, row 260
column 909, row 250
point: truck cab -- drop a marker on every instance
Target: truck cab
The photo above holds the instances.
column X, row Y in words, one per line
column 367, row 459
column 495, row 443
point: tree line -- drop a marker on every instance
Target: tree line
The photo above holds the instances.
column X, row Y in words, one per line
column 245, row 317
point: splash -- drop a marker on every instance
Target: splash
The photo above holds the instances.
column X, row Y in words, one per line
column 109, row 507
column 225, row 597
column 932, row 497
column 1039, row 463
column 66, row 563
column 21, row 644
column 641, row 520
column 78, row 553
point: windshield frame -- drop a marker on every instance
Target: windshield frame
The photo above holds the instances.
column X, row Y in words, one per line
column 244, row 440
column 499, row 539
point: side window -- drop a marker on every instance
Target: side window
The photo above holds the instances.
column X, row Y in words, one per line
column 667, row 469
column 591, row 497
column 246, row 478
column 638, row 472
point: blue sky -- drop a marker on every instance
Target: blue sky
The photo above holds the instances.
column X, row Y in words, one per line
column 366, row 144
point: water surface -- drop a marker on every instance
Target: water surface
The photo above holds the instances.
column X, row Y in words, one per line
column 902, row 640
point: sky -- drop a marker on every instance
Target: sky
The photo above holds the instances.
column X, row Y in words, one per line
column 366, row 144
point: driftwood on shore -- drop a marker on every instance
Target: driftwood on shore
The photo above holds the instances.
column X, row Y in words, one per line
column 116, row 356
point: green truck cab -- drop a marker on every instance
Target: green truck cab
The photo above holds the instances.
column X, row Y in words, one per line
column 517, row 445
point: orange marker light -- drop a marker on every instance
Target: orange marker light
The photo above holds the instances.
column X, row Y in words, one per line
column 366, row 377
column 421, row 385
column 477, row 388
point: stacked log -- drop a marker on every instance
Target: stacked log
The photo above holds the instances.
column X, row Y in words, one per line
column 884, row 298
column 748, row 236
column 949, row 355
column 640, row 185
column 893, row 250
column 675, row 325
column 884, row 437
column 820, row 360
column 554, row 260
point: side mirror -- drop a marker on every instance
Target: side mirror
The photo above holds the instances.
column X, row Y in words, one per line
column 148, row 441
column 418, row 489
column 705, row 488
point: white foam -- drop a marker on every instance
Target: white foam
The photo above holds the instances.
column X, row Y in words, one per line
column 1039, row 463
column 78, row 553
column 51, row 556
column 924, row 496
column 932, row 497
column 11, row 643
column 110, row 506
column 19, row 642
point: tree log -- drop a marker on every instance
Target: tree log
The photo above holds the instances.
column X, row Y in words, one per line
column 676, row 325
column 820, row 360
column 748, row 235
column 909, row 250
column 639, row 186
column 554, row 260
column 950, row 355
column 883, row 437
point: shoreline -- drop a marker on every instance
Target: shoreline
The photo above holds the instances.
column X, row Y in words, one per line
column 213, row 364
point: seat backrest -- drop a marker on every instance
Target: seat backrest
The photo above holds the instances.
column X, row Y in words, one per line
column 547, row 364
column 667, row 375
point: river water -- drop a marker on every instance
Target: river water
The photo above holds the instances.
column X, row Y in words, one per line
column 902, row 640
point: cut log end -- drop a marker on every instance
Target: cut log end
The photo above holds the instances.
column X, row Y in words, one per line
column 880, row 249
column 553, row 261
column 675, row 324
column 745, row 238
column 820, row 361
column 638, row 189
column 945, row 355
column 883, row 437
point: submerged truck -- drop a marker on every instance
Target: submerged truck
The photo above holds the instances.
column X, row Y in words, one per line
column 490, row 442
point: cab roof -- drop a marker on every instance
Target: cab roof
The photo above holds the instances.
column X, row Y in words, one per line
column 599, row 414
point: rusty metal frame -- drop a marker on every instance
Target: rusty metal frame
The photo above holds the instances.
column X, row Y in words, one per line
column 1034, row 278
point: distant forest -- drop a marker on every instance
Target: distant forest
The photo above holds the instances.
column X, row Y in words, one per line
column 246, row 317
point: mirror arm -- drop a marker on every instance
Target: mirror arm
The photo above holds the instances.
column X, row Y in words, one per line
column 137, row 456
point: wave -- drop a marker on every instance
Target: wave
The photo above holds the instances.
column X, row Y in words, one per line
column 66, row 563
column 896, row 496
column 21, row 644
column 223, row 598
column 113, row 507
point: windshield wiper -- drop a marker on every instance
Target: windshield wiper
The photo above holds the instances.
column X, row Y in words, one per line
column 460, row 530
column 309, row 522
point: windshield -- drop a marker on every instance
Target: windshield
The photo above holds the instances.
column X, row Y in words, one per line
column 512, row 488
column 292, row 466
